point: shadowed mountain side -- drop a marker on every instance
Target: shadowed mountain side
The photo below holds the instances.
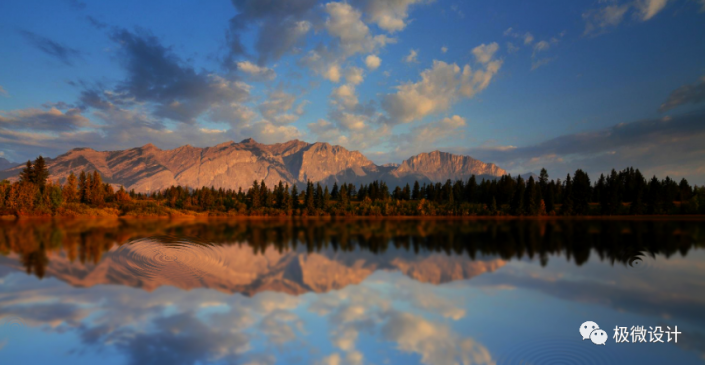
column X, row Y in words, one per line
column 233, row 165
column 238, row 269
column 5, row 164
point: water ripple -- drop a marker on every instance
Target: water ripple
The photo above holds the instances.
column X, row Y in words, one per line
column 548, row 351
column 177, row 259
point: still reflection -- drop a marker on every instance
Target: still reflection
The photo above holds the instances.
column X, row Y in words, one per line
column 265, row 292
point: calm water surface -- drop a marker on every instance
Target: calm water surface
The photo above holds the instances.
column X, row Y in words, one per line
column 362, row 292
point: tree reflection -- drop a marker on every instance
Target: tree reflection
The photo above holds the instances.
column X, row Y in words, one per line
column 616, row 241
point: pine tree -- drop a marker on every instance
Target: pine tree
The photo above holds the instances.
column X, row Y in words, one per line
column 310, row 202
column 517, row 203
column 567, row 206
column 416, row 193
column 255, row 195
column 69, row 190
column 326, row 198
column 294, row 197
column 97, row 190
column 40, row 172
column 83, row 188
column 530, row 204
column 27, row 173
column 318, row 198
column 334, row 192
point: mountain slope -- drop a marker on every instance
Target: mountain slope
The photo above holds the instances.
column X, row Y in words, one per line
column 236, row 165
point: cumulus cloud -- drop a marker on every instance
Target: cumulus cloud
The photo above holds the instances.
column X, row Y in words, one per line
column 256, row 72
column 436, row 344
column 354, row 76
column 57, row 50
column 345, row 24
column 277, row 107
column 686, row 94
column 441, row 86
column 372, row 62
column 345, row 95
column 412, row 57
column 391, row 16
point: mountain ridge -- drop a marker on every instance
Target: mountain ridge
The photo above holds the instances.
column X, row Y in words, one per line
column 232, row 165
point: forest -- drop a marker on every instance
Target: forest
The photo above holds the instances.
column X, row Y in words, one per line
column 625, row 192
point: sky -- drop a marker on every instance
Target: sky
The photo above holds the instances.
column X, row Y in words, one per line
column 594, row 85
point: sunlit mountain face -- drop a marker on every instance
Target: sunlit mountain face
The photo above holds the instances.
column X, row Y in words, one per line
column 594, row 85
column 404, row 291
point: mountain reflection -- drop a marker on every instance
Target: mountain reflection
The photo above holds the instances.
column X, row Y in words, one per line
column 352, row 292
column 297, row 257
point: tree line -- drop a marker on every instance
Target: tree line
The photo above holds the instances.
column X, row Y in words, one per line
column 625, row 192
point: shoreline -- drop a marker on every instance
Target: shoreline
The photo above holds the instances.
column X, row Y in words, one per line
column 205, row 217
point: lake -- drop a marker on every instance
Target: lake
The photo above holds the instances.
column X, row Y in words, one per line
column 353, row 292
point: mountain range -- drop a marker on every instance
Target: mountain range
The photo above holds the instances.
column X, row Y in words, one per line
column 237, row 269
column 236, row 165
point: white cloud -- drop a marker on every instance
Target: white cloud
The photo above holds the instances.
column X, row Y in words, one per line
column 604, row 18
column 389, row 15
column 354, row 75
column 277, row 105
column 649, row 8
column 527, row 37
column 344, row 22
column 345, row 95
column 440, row 87
column 332, row 73
column 485, row 52
column 436, row 343
column 444, row 49
column 420, row 137
column 373, row 62
column 412, row 57
column 263, row 73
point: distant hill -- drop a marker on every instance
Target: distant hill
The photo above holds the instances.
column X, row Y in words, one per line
column 236, row 165
column 5, row 164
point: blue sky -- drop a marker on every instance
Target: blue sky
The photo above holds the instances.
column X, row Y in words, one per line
column 562, row 85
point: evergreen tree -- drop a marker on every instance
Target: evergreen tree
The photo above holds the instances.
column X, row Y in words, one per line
column 40, row 172
column 326, row 198
column 97, row 189
column 531, row 205
column 344, row 198
column 581, row 192
column 517, row 202
column 334, row 192
column 416, row 193
column 27, row 173
column 70, row 189
column 83, row 188
column 471, row 190
column 567, row 206
column 294, row 197
column 318, row 199
column 254, row 195
column 310, row 203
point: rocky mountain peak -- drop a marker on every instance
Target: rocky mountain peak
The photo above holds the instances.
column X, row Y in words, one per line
column 232, row 165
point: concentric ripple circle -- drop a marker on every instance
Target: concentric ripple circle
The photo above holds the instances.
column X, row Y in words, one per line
column 639, row 262
column 557, row 350
column 179, row 260
column 11, row 322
